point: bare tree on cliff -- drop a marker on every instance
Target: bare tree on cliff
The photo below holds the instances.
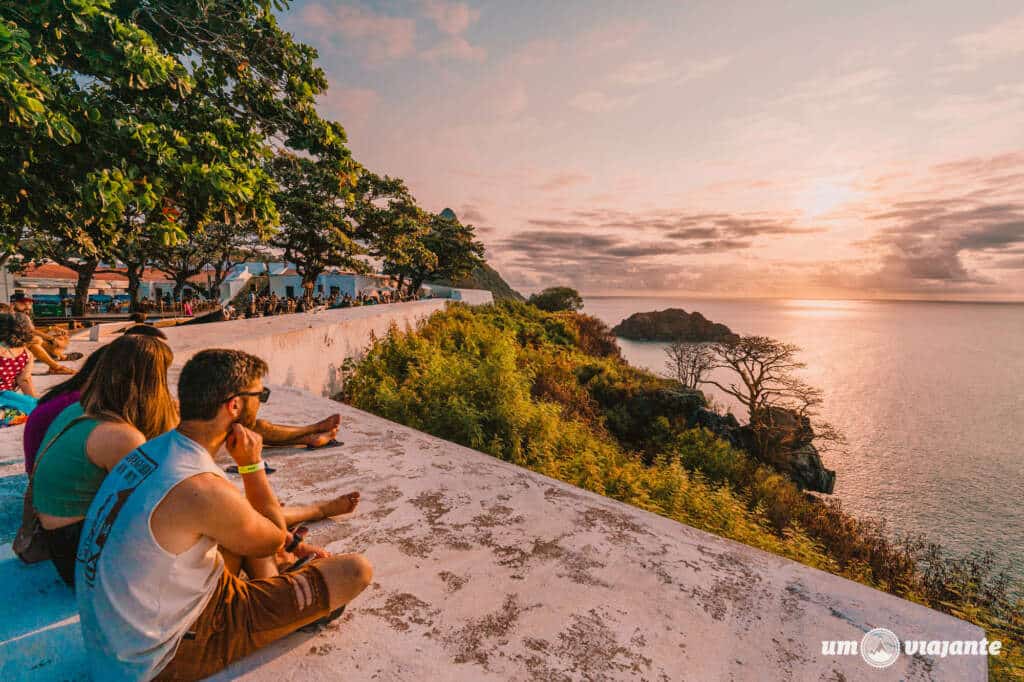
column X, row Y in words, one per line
column 689, row 362
column 777, row 400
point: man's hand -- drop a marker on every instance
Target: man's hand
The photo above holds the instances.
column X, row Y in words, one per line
column 244, row 446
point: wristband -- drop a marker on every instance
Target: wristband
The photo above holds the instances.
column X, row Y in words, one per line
column 250, row 468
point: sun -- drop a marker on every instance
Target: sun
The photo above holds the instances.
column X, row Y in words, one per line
column 824, row 196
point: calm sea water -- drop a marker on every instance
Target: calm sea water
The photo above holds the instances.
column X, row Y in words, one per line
column 929, row 395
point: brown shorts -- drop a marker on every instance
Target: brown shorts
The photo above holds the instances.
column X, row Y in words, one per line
column 244, row 615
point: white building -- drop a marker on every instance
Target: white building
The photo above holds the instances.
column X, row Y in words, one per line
column 285, row 281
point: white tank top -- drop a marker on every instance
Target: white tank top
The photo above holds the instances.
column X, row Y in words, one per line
column 136, row 599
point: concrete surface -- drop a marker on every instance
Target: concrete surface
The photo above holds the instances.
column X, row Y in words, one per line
column 484, row 570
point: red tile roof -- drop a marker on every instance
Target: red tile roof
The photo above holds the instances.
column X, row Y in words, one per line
column 50, row 271
column 55, row 271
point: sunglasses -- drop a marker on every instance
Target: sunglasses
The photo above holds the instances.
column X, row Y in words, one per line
column 263, row 395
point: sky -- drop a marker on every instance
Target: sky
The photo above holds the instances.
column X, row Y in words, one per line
column 809, row 149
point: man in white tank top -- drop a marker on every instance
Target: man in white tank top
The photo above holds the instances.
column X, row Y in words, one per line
column 165, row 537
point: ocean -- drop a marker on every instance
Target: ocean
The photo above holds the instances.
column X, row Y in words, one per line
column 929, row 395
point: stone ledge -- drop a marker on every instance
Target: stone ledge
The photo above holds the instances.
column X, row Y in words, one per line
column 484, row 570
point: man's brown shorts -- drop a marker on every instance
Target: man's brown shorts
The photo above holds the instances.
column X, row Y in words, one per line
column 244, row 615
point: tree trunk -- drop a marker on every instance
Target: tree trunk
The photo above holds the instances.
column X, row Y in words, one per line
column 220, row 273
column 309, row 278
column 415, row 284
column 179, row 285
column 134, row 274
column 85, row 272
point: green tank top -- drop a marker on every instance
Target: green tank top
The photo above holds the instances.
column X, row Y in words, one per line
column 65, row 480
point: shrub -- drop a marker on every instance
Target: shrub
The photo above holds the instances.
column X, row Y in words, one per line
column 539, row 390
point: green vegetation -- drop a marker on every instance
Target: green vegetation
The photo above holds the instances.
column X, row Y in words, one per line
column 557, row 299
column 180, row 134
column 550, row 392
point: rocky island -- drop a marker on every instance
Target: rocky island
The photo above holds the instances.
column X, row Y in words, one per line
column 673, row 324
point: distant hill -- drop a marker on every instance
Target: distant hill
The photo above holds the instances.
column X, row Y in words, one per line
column 673, row 324
column 486, row 277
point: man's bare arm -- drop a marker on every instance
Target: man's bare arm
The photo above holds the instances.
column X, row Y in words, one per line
column 209, row 505
column 246, row 448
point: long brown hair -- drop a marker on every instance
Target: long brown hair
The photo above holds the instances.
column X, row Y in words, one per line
column 130, row 385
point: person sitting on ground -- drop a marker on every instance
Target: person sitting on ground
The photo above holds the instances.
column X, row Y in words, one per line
column 124, row 402
column 45, row 347
column 52, row 403
column 314, row 436
column 159, row 590
column 15, row 370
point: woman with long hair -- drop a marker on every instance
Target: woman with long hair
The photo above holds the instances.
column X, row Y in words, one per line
column 65, row 394
column 124, row 402
column 52, row 403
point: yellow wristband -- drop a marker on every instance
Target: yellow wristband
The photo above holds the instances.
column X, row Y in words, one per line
column 251, row 468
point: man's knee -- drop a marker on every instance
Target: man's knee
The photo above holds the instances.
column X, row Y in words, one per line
column 346, row 576
column 356, row 568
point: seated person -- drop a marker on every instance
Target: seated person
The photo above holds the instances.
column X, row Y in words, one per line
column 15, row 370
column 158, row 580
column 47, row 348
column 124, row 401
column 52, row 403
column 316, row 435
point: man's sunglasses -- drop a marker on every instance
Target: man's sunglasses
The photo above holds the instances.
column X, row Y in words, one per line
column 263, row 395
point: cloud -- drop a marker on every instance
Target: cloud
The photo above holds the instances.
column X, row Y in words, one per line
column 997, row 42
column 452, row 18
column 456, row 48
column 1004, row 101
column 596, row 102
column 927, row 243
column 563, row 181
column 682, row 225
column 471, row 214
column 376, row 37
column 641, row 73
column 836, row 90
column 694, row 70
column 614, row 249
column 352, row 106
column 649, row 72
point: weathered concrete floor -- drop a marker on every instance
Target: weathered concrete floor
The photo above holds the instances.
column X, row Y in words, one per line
column 484, row 570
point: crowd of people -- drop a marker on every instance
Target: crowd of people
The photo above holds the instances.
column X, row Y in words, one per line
column 267, row 303
column 176, row 572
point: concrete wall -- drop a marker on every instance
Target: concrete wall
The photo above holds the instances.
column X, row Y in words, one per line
column 487, row 571
column 304, row 350
column 470, row 296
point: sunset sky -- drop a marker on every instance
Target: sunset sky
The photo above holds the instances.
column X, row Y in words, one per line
column 757, row 148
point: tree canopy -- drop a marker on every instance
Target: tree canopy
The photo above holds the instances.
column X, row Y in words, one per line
column 556, row 299
column 132, row 128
